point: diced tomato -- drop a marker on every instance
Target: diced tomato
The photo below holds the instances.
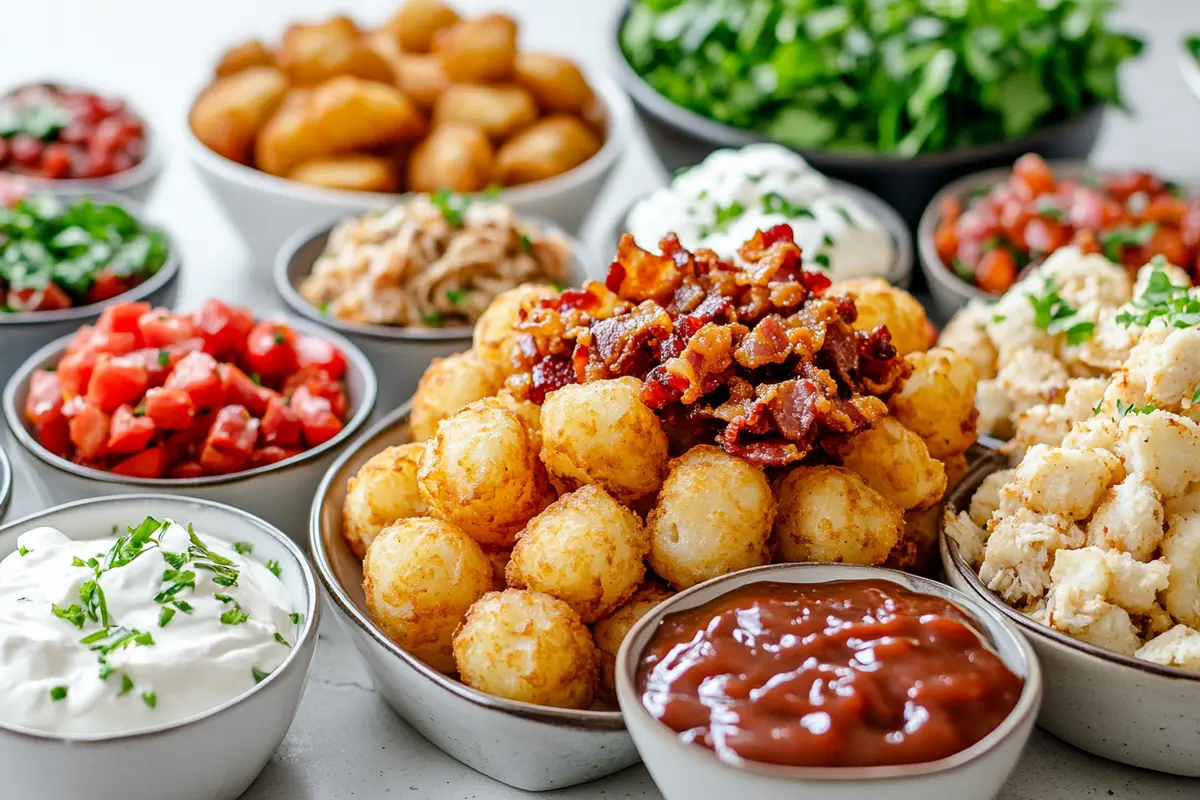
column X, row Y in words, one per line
column 1122, row 186
column 170, row 409
column 280, row 425
column 240, row 389
column 271, row 350
column 978, row 222
column 80, row 340
column 45, row 400
column 312, row 351
column 89, row 431
column 1166, row 210
column 233, row 429
column 945, row 239
column 951, row 209
column 187, row 469
column 48, row 298
column 129, row 431
column 74, row 405
column 1014, row 217
column 1032, row 176
column 321, row 384
column 1168, row 243
column 115, row 381
column 316, row 416
column 185, row 444
column 224, row 328
column 997, row 271
column 121, row 318
column 106, row 286
column 1044, row 236
column 116, row 343
column 150, row 463
column 271, row 455
column 222, row 462
column 55, row 436
column 196, row 374
column 161, row 328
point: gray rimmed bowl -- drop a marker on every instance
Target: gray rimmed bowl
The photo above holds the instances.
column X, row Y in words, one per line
column 215, row 755
column 23, row 333
column 276, row 492
column 401, row 354
column 901, row 271
column 681, row 138
column 530, row 747
column 686, row 771
column 1189, row 66
column 1114, row 706
column 6, row 483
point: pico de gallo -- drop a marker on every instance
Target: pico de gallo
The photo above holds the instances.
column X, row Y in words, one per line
column 151, row 393
column 57, row 254
column 1129, row 218
column 49, row 131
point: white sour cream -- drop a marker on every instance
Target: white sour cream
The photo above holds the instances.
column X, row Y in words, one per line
column 50, row 681
column 722, row 201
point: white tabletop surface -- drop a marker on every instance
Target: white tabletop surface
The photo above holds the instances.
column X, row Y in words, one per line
column 345, row 742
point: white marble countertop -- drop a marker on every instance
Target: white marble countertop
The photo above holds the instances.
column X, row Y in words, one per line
column 345, row 742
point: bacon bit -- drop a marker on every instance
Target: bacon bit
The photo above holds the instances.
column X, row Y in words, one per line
column 648, row 276
column 815, row 282
column 779, row 233
column 616, row 276
column 550, row 374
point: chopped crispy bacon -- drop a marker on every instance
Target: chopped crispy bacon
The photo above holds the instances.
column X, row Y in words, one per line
column 647, row 276
column 627, row 340
column 767, row 343
column 550, row 374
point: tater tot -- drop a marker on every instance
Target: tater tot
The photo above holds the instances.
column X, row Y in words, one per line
column 421, row 78
column 895, row 462
column 450, row 384
column 252, row 53
column 556, row 82
column 938, row 401
column 418, row 21
column 527, row 646
column 480, row 471
column 602, row 433
column 229, row 114
column 383, row 491
column 420, row 576
column 831, row 514
column 551, row 146
column 480, row 50
column 880, row 303
column 612, row 630
column 586, row 549
column 310, row 54
column 499, row 111
column 454, row 156
column 495, row 336
column 713, row 516
column 355, row 173
column 528, row 412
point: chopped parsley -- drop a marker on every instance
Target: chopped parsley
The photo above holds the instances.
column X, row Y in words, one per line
column 1162, row 300
column 58, row 693
column 296, row 617
column 433, row 319
column 821, row 260
column 998, row 318
column 775, row 203
column 1116, row 240
column 126, row 685
column 453, row 206
column 150, row 699
column 1125, row 409
column 273, row 566
column 722, row 216
column 23, row 550
column 279, row 638
column 234, row 616
column 1053, row 315
column 526, row 244
column 457, row 296
column 259, row 675
column 164, row 358
column 243, row 548
column 165, row 616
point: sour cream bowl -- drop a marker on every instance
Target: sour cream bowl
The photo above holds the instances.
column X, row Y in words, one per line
column 213, row 755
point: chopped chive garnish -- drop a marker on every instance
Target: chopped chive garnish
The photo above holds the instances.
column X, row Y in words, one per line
column 183, row 606
column 164, row 358
column 78, row 562
column 144, row 639
column 224, row 598
column 234, row 616
column 273, row 566
column 58, row 693
column 279, row 638
column 297, row 618
column 72, row 613
column 105, row 671
column 126, row 685
column 23, row 550
column 150, row 699
column 165, row 616
column 242, row 548
column 259, row 675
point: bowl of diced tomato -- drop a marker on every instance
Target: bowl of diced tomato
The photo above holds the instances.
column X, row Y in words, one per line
column 980, row 233
column 214, row 404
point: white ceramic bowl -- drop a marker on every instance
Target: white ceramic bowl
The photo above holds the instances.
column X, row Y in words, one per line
column 211, row 756
column 1190, row 68
column 531, row 747
column 405, row 352
column 23, row 333
column 686, row 772
column 1117, row 707
column 266, row 210
column 279, row 493
column 6, row 483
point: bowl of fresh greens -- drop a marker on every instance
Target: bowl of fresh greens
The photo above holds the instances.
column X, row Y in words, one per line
column 899, row 97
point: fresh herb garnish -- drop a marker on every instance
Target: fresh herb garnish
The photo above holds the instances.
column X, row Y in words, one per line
column 821, row 260
column 150, row 699
column 1162, row 300
column 458, row 296
column 526, row 243
column 23, row 550
column 273, row 566
column 297, row 617
column 775, row 203
column 234, row 616
column 1196, row 395
column 1124, row 409
column 58, row 693
column 126, row 685
column 243, row 548
column 1099, row 404
column 259, row 675
column 72, row 614
column 1116, row 240
column 224, row 598
column 453, row 206
column 722, row 216
column 998, row 318
column 164, row 358
column 1054, row 315
column 165, row 616
column 433, row 319
column 279, row 638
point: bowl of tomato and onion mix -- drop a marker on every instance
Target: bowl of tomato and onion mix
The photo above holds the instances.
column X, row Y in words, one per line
column 216, row 404
column 827, row 682
column 66, row 137
column 980, row 232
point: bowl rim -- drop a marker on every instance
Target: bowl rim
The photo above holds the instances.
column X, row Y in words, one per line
column 308, row 632
column 952, row 559
column 6, row 482
column 699, row 126
column 51, row 352
column 1189, row 67
column 618, row 114
column 166, row 274
column 586, row 719
column 580, row 258
column 989, row 625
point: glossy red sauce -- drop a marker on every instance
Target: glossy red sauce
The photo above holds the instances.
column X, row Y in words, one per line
column 848, row 673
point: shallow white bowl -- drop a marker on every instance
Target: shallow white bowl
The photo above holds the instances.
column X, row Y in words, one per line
column 266, row 210
column 1117, row 707
column 687, row 772
column 211, row 756
column 6, row 483
column 279, row 493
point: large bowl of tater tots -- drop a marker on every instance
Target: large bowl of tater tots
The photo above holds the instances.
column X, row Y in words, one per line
column 604, row 447
column 336, row 117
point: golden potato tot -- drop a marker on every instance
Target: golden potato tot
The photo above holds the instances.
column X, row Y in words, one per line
column 556, row 82
column 713, row 516
column 418, row 21
column 355, row 173
column 527, row 646
column 528, row 412
column 384, row 491
column 420, row 577
column 495, row 334
column 229, row 114
column 421, row 78
column 499, row 111
column 311, row 54
column 449, row 385
column 455, row 157
column 880, row 303
column 549, row 147
column 252, row 53
column 602, row 433
column 586, row 549
column 612, row 630
column 895, row 462
column 481, row 472
column 480, row 50
column 831, row 514
column 499, row 560
column 938, row 401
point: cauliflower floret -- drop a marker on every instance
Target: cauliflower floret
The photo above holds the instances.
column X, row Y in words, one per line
column 1125, row 389
column 1176, row 275
column 1010, row 325
column 1129, row 519
column 1099, row 432
column 1032, row 377
column 1171, row 371
column 1186, row 503
column 1154, row 622
column 969, row 537
column 986, row 499
column 1082, row 279
column 1057, row 480
column 1134, row 585
column 1016, row 560
column 995, row 409
column 1164, row 447
column 1079, row 583
column 1178, row 647
column 1039, row 613
column 1181, row 552
column 1113, row 630
column 1108, row 346
column 1050, row 423
column 965, row 335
